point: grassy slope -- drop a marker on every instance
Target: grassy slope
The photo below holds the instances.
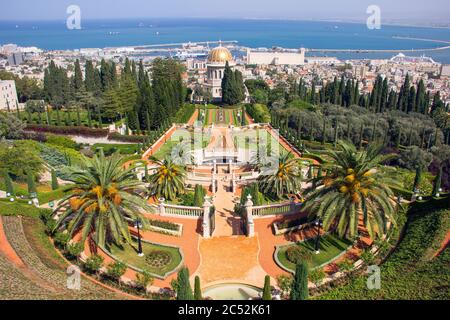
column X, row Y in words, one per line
column 410, row 272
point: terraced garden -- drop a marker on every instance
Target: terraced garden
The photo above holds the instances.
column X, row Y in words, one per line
column 39, row 279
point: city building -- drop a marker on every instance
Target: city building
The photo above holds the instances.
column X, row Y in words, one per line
column 15, row 58
column 276, row 57
column 8, row 95
column 324, row 61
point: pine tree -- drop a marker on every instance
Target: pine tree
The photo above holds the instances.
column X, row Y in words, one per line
column 300, row 285
column 197, row 289
column 267, row 294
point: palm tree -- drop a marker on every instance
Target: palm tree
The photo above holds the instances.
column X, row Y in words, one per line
column 283, row 179
column 353, row 189
column 103, row 196
column 168, row 180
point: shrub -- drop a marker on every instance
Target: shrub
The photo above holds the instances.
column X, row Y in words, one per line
column 50, row 227
column 291, row 223
column 144, row 279
column 296, row 254
column 62, row 141
column 368, row 257
column 74, row 250
column 345, row 265
column 187, row 199
column 69, row 130
column 285, row 283
column 94, row 263
column 164, row 225
column 115, row 270
column 122, row 138
column 317, row 276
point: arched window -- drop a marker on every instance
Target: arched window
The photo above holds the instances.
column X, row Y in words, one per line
column 216, row 74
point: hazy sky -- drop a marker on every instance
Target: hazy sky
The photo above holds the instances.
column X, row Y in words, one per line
column 412, row 10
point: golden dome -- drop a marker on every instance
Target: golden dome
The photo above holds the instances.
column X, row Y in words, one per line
column 220, row 55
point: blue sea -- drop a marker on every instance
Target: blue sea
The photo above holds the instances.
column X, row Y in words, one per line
column 53, row 35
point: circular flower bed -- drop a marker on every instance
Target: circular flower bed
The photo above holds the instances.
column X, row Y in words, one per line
column 158, row 259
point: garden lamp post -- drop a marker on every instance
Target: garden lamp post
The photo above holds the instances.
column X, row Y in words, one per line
column 319, row 225
column 138, row 226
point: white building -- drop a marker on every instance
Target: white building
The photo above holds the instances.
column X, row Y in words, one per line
column 276, row 57
column 323, row 61
column 8, row 95
column 217, row 60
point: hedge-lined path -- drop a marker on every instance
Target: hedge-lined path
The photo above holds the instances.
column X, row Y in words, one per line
column 194, row 118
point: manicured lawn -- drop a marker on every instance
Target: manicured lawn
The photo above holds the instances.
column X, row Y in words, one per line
column 19, row 208
column 330, row 247
column 129, row 256
column 112, row 148
column 252, row 145
column 44, row 191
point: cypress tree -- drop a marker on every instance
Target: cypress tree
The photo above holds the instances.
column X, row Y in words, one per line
column 417, row 178
column 199, row 196
column 89, row 118
column 197, row 289
column 8, row 183
column 58, row 118
column 31, row 183
column 55, row 184
column 437, row 182
column 361, row 133
column 78, row 76
column 184, row 290
column 267, row 294
column 324, row 131
column 336, row 133
column 300, row 285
